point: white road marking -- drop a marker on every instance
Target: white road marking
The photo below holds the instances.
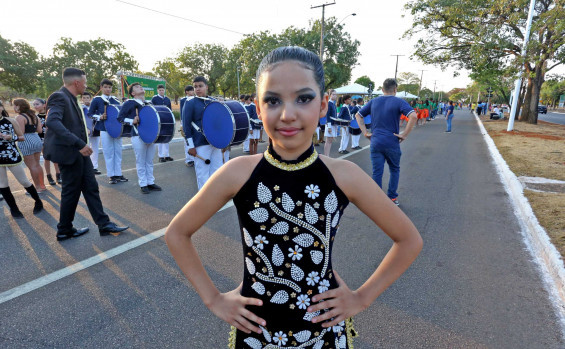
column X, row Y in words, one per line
column 101, row 257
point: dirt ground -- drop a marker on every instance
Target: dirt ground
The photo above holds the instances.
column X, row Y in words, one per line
column 536, row 151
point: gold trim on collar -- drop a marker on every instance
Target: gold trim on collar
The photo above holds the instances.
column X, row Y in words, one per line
column 290, row 167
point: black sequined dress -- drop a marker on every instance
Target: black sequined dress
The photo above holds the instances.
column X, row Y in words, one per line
column 289, row 213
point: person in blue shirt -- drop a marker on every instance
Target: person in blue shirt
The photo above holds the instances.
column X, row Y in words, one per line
column 189, row 94
column 449, row 116
column 161, row 99
column 385, row 137
column 111, row 147
column 144, row 153
column 198, row 145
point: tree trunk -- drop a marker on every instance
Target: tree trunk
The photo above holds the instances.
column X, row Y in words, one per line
column 526, row 100
column 537, row 81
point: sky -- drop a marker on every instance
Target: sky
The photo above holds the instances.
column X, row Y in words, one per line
column 150, row 36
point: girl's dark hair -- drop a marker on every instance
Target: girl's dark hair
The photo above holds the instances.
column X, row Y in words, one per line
column 25, row 108
column 130, row 88
column 40, row 100
column 4, row 112
column 308, row 60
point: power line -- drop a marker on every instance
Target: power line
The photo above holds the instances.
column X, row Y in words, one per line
column 179, row 17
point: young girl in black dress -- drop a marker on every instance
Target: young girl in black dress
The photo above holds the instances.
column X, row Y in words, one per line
column 289, row 201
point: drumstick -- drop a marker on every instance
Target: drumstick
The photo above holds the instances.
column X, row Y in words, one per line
column 206, row 161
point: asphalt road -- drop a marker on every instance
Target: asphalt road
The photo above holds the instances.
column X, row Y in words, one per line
column 556, row 118
column 473, row 286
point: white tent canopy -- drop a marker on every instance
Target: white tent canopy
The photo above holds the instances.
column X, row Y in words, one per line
column 405, row 94
column 355, row 89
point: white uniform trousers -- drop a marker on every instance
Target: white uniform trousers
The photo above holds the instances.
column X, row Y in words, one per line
column 203, row 171
column 94, row 144
column 144, row 154
column 163, row 150
column 246, row 144
column 187, row 157
column 112, row 150
column 355, row 140
column 226, row 156
column 344, row 138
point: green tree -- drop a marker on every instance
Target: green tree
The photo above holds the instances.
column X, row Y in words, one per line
column 206, row 60
column 365, row 81
column 552, row 90
column 169, row 70
column 19, row 66
column 485, row 36
column 409, row 82
column 100, row 58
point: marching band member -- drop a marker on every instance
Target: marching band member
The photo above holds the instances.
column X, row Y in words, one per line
column 330, row 131
column 355, row 132
column 111, row 147
column 161, row 99
column 144, row 153
column 198, row 145
column 93, row 134
column 189, row 92
column 242, row 100
column 254, row 125
column 345, row 113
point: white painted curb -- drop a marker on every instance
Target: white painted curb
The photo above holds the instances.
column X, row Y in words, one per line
column 535, row 237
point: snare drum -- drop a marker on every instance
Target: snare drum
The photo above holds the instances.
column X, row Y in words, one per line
column 88, row 120
column 225, row 123
column 340, row 122
column 156, row 124
column 115, row 128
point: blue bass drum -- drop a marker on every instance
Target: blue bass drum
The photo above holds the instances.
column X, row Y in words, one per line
column 156, row 124
column 115, row 128
column 354, row 124
column 324, row 120
column 225, row 124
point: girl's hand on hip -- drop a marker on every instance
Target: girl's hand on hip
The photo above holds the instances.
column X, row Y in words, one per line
column 230, row 307
column 341, row 302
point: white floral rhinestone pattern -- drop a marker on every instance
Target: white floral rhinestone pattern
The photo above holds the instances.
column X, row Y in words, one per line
column 259, row 215
column 287, row 203
column 295, row 253
column 278, row 257
column 280, row 338
column 266, row 333
column 263, row 193
column 312, row 278
column 250, row 266
column 302, row 336
column 258, row 287
column 312, row 190
column 304, row 240
column 303, row 301
column 260, row 240
column 254, row 343
column 316, row 256
column 330, row 203
column 335, row 220
column 280, row 297
column 296, row 273
column 309, row 316
column 280, row 228
column 247, row 238
column 311, row 215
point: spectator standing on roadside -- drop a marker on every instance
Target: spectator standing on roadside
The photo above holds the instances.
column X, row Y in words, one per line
column 449, row 116
column 385, row 137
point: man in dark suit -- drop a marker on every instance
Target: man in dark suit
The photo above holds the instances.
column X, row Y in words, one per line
column 66, row 143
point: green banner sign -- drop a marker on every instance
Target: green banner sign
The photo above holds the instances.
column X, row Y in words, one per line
column 149, row 84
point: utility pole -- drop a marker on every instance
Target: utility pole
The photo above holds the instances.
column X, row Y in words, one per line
column 395, row 70
column 513, row 111
column 323, row 25
column 420, row 86
column 238, row 92
column 434, row 95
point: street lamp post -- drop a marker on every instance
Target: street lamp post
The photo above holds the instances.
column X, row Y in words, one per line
column 396, row 69
column 322, row 25
column 238, row 92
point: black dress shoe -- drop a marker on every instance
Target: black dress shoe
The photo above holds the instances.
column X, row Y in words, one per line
column 112, row 180
column 96, row 172
column 154, row 187
column 144, row 190
column 121, row 179
column 71, row 234
column 16, row 213
column 111, row 228
column 162, row 160
column 168, row 158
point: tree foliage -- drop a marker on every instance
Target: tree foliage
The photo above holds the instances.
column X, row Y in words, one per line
column 365, row 81
column 19, row 66
column 486, row 36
